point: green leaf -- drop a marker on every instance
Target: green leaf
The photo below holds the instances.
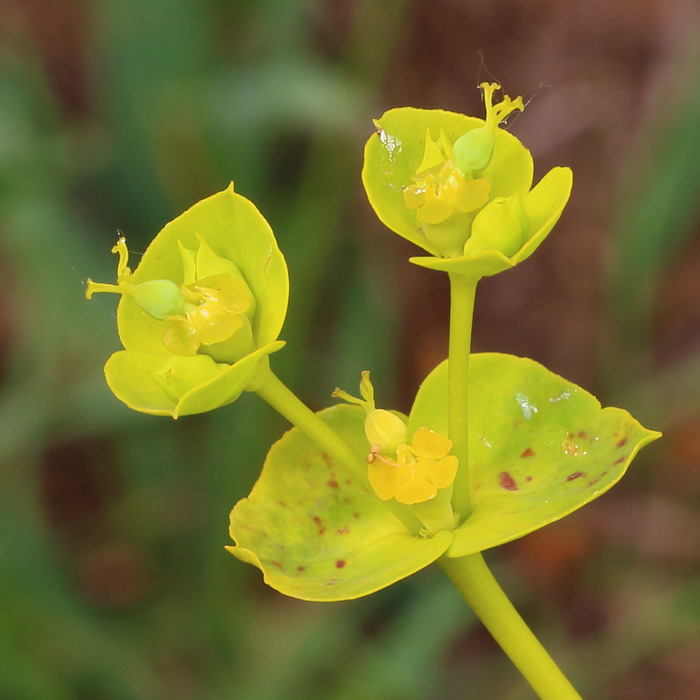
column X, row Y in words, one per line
column 316, row 530
column 543, row 205
column 540, row 447
column 394, row 153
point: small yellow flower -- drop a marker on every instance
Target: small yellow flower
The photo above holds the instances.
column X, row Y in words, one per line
column 412, row 473
column 419, row 470
column 207, row 313
column 461, row 187
column 217, row 310
column 448, row 180
column 441, row 190
column 201, row 312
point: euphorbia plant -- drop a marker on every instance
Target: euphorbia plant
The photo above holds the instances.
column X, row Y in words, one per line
column 356, row 497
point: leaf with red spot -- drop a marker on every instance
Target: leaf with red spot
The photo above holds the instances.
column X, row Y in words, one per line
column 317, row 530
column 540, row 447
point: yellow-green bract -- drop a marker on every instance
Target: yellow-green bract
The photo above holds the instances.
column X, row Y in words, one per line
column 475, row 223
column 540, row 448
column 219, row 237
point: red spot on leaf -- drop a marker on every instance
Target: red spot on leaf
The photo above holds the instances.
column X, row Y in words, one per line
column 622, row 442
column 347, row 500
column 528, row 478
column 356, row 515
column 528, row 453
column 575, row 475
column 327, row 459
column 582, row 434
column 333, row 484
column 282, row 503
column 319, row 524
column 600, row 476
column 300, row 568
column 619, row 461
column 507, row 481
column 348, row 481
column 340, row 564
column 278, row 565
column 342, row 531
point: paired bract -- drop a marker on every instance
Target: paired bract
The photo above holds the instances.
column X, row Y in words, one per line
column 461, row 187
column 201, row 311
column 541, row 448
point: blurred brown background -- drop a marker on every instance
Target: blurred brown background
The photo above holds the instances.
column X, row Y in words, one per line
column 120, row 114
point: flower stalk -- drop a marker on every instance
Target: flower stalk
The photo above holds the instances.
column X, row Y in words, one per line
column 480, row 589
column 462, row 295
column 470, row 574
column 273, row 391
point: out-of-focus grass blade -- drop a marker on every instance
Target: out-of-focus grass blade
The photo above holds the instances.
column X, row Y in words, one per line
column 404, row 660
column 658, row 213
column 152, row 66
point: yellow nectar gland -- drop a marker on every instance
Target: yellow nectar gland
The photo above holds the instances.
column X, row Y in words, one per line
column 419, row 470
column 215, row 310
column 439, row 189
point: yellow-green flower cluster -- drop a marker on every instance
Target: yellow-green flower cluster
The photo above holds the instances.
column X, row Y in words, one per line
column 201, row 311
column 461, row 187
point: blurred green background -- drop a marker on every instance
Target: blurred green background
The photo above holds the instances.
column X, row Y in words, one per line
column 119, row 114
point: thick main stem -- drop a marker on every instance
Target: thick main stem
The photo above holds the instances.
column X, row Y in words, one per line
column 462, row 293
column 470, row 574
column 480, row 589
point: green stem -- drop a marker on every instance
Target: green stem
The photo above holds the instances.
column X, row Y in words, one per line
column 470, row 574
column 462, row 293
column 480, row 589
column 286, row 402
